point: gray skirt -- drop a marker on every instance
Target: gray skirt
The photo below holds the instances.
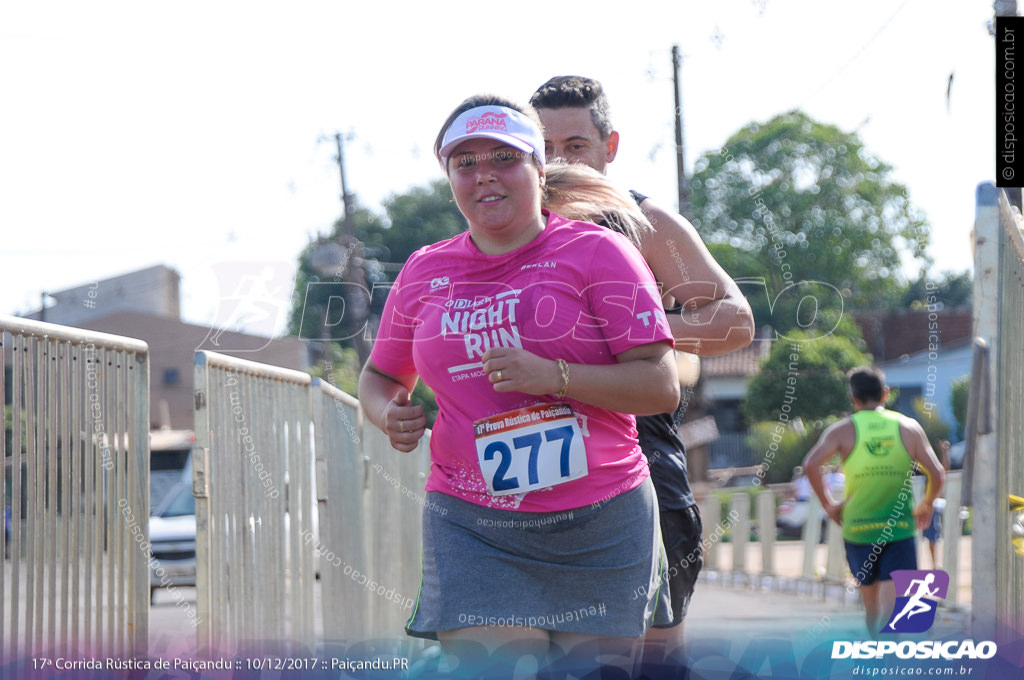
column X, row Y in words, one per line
column 595, row 570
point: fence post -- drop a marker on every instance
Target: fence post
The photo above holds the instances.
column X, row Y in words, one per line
column 740, row 506
column 766, row 529
column 711, row 511
column 985, row 463
column 835, row 560
column 951, row 534
column 201, row 492
column 811, row 535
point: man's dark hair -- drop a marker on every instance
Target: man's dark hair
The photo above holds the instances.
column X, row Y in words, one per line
column 563, row 91
column 866, row 383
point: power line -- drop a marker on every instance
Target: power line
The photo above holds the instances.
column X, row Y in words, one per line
column 857, row 54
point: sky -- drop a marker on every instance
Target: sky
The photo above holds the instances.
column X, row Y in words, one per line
column 199, row 135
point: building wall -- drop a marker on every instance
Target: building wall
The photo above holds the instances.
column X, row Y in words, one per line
column 149, row 291
column 726, row 387
column 892, row 335
column 933, row 373
column 172, row 346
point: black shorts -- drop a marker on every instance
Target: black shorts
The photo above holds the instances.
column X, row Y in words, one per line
column 681, row 532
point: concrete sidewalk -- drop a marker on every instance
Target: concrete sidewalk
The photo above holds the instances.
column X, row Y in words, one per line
column 788, row 559
column 730, row 609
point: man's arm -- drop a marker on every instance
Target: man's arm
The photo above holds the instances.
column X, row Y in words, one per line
column 833, row 441
column 920, row 450
column 715, row 318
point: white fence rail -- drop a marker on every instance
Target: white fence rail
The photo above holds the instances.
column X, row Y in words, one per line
column 75, row 480
column 255, row 501
column 814, row 570
column 371, row 502
column 997, row 417
column 287, row 480
column 341, row 475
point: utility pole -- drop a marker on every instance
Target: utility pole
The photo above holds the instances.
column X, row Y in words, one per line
column 695, row 408
column 684, row 184
column 341, row 260
column 347, row 199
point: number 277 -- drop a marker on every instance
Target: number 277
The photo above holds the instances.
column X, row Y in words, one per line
column 532, row 442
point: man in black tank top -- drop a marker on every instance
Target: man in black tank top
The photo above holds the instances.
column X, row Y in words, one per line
column 705, row 308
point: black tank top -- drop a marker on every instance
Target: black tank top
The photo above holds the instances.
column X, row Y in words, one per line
column 666, row 455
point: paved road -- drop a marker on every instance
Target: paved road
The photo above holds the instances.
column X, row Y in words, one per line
column 728, row 622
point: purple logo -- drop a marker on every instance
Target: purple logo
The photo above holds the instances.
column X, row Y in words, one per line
column 915, row 609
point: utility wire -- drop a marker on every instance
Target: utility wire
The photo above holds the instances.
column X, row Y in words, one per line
column 856, row 55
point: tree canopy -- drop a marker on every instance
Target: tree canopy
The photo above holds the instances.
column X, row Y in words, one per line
column 422, row 216
column 794, row 200
column 412, row 220
column 804, row 377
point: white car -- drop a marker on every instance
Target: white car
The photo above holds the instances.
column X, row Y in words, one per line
column 172, row 535
column 791, row 517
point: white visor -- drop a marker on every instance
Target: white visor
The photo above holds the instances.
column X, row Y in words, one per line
column 493, row 122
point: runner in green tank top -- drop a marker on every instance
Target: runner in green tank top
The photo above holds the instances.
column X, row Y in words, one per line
column 879, row 450
column 877, row 505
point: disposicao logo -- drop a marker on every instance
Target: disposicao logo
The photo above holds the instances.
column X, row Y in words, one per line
column 914, row 612
column 915, row 609
column 488, row 121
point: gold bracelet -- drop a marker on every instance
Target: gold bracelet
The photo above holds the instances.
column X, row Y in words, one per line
column 565, row 378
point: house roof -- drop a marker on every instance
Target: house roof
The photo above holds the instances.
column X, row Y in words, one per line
column 741, row 362
column 891, row 335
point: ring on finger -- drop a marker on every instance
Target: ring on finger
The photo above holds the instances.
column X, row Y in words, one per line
column 401, row 426
column 498, row 376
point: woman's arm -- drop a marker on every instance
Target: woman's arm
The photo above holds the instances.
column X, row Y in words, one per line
column 644, row 381
column 385, row 401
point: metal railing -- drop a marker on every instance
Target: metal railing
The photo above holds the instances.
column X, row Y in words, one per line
column 341, row 473
column 255, row 503
column 286, row 480
column 397, row 500
column 371, row 503
column 997, row 414
column 818, row 566
column 75, row 480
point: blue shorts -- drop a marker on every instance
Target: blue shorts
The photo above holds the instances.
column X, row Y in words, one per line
column 934, row 529
column 870, row 562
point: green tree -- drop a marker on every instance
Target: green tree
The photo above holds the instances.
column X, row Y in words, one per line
column 422, row 216
column 311, row 304
column 342, row 371
column 801, row 201
column 934, row 427
column 952, row 290
column 783, row 447
column 804, row 376
column 412, row 220
column 958, row 400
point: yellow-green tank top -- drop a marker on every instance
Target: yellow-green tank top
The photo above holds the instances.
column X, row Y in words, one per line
column 879, row 500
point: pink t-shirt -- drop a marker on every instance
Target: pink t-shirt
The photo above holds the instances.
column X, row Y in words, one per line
column 579, row 292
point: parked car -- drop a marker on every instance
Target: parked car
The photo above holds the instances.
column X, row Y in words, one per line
column 791, row 517
column 170, row 456
column 172, row 535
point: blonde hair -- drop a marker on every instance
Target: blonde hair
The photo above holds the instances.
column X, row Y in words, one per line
column 579, row 192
